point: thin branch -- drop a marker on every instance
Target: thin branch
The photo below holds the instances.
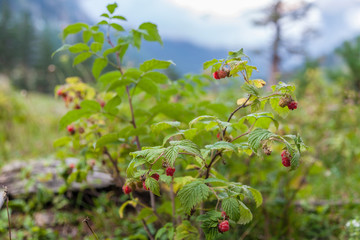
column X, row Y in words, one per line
column 86, row 220
column 248, row 131
column 114, row 162
column 147, row 230
column 218, row 199
column 237, row 109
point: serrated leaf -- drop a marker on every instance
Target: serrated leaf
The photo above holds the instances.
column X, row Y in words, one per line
column 153, row 185
column 111, row 106
column 111, row 7
column 91, row 105
column 256, row 196
column 117, row 27
column 186, row 231
column 81, row 58
column 187, row 146
column 152, row 32
column 192, row 194
column 232, row 208
column 96, row 46
column 155, row 64
column 222, row 145
column 195, row 120
column 98, row 66
column 119, row 17
column 86, row 36
column 62, row 48
column 98, row 37
column 207, row 64
column 251, row 89
column 109, row 77
column 245, row 214
column 74, row 28
column 156, row 77
column 79, row 47
column 258, row 135
column 161, row 126
column 72, row 116
column 237, row 55
column 171, row 154
column 149, row 87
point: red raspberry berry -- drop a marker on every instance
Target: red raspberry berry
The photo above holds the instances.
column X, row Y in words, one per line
column 102, row 103
column 144, row 186
column 223, row 74
column 216, row 75
column 223, row 226
column 71, row 129
column 77, row 106
column 286, row 162
column 223, row 214
column 292, row 105
column 126, row 189
column 170, row 171
column 155, row 176
column 72, row 165
column 286, row 157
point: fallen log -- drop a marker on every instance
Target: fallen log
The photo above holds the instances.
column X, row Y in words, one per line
column 17, row 175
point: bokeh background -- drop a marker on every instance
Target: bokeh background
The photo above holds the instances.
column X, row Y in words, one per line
column 313, row 44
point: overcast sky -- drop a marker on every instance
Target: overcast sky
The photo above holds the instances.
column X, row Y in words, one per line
column 228, row 23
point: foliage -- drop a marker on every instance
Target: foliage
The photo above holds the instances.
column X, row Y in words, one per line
column 141, row 107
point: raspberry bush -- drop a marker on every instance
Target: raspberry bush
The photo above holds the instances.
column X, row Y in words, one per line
column 163, row 136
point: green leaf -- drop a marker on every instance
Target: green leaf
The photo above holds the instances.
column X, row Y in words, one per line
column 105, row 15
column 245, row 214
column 79, row 47
column 222, row 145
column 232, row 208
column 117, row 27
column 154, row 64
column 72, row 116
column 256, row 196
column 108, row 138
column 90, row 105
column 111, row 7
column 109, row 77
column 192, row 194
column 258, row 135
column 81, row 58
column 98, row 66
column 210, row 221
column 238, row 55
column 74, row 28
column 195, row 120
column 295, row 159
column 152, row 32
column 123, row 206
column 274, row 102
column 149, row 87
column 136, row 38
column 161, row 126
column 86, row 36
column 156, row 77
column 207, row 64
column 62, row 48
column 283, row 88
column 98, row 37
column 119, row 17
column 251, row 89
column 170, row 154
column 96, row 47
column 187, row 146
column 62, row 141
column 111, row 106
column 153, row 185
column 186, row 231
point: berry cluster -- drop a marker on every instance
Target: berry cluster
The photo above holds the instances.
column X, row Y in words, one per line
column 170, row 171
column 223, row 226
column 292, row 105
column 220, row 74
column 286, row 157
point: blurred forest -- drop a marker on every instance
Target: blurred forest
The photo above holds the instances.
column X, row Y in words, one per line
column 318, row 201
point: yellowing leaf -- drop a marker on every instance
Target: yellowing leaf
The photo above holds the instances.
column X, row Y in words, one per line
column 241, row 101
column 72, row 80
column 122, row 208
column 259, row 83
column 181, row 181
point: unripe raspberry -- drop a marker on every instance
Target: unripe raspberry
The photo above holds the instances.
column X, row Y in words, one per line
column 155, row 176
column 292, row 105
column 284, row 101
column 170, row 171
column 144, row 186
column 72, row 165
column 223, row 74
column 102, row 103
column 216, row 75
column 71, row 129
column 223, row 226
column 126, row 189
column 267, row 150
column 81, row 130
column 77, row 106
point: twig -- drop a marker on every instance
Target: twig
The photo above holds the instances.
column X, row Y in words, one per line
column 147, row 230
column 218, row 199
column 86, row 220
column 114, row 163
